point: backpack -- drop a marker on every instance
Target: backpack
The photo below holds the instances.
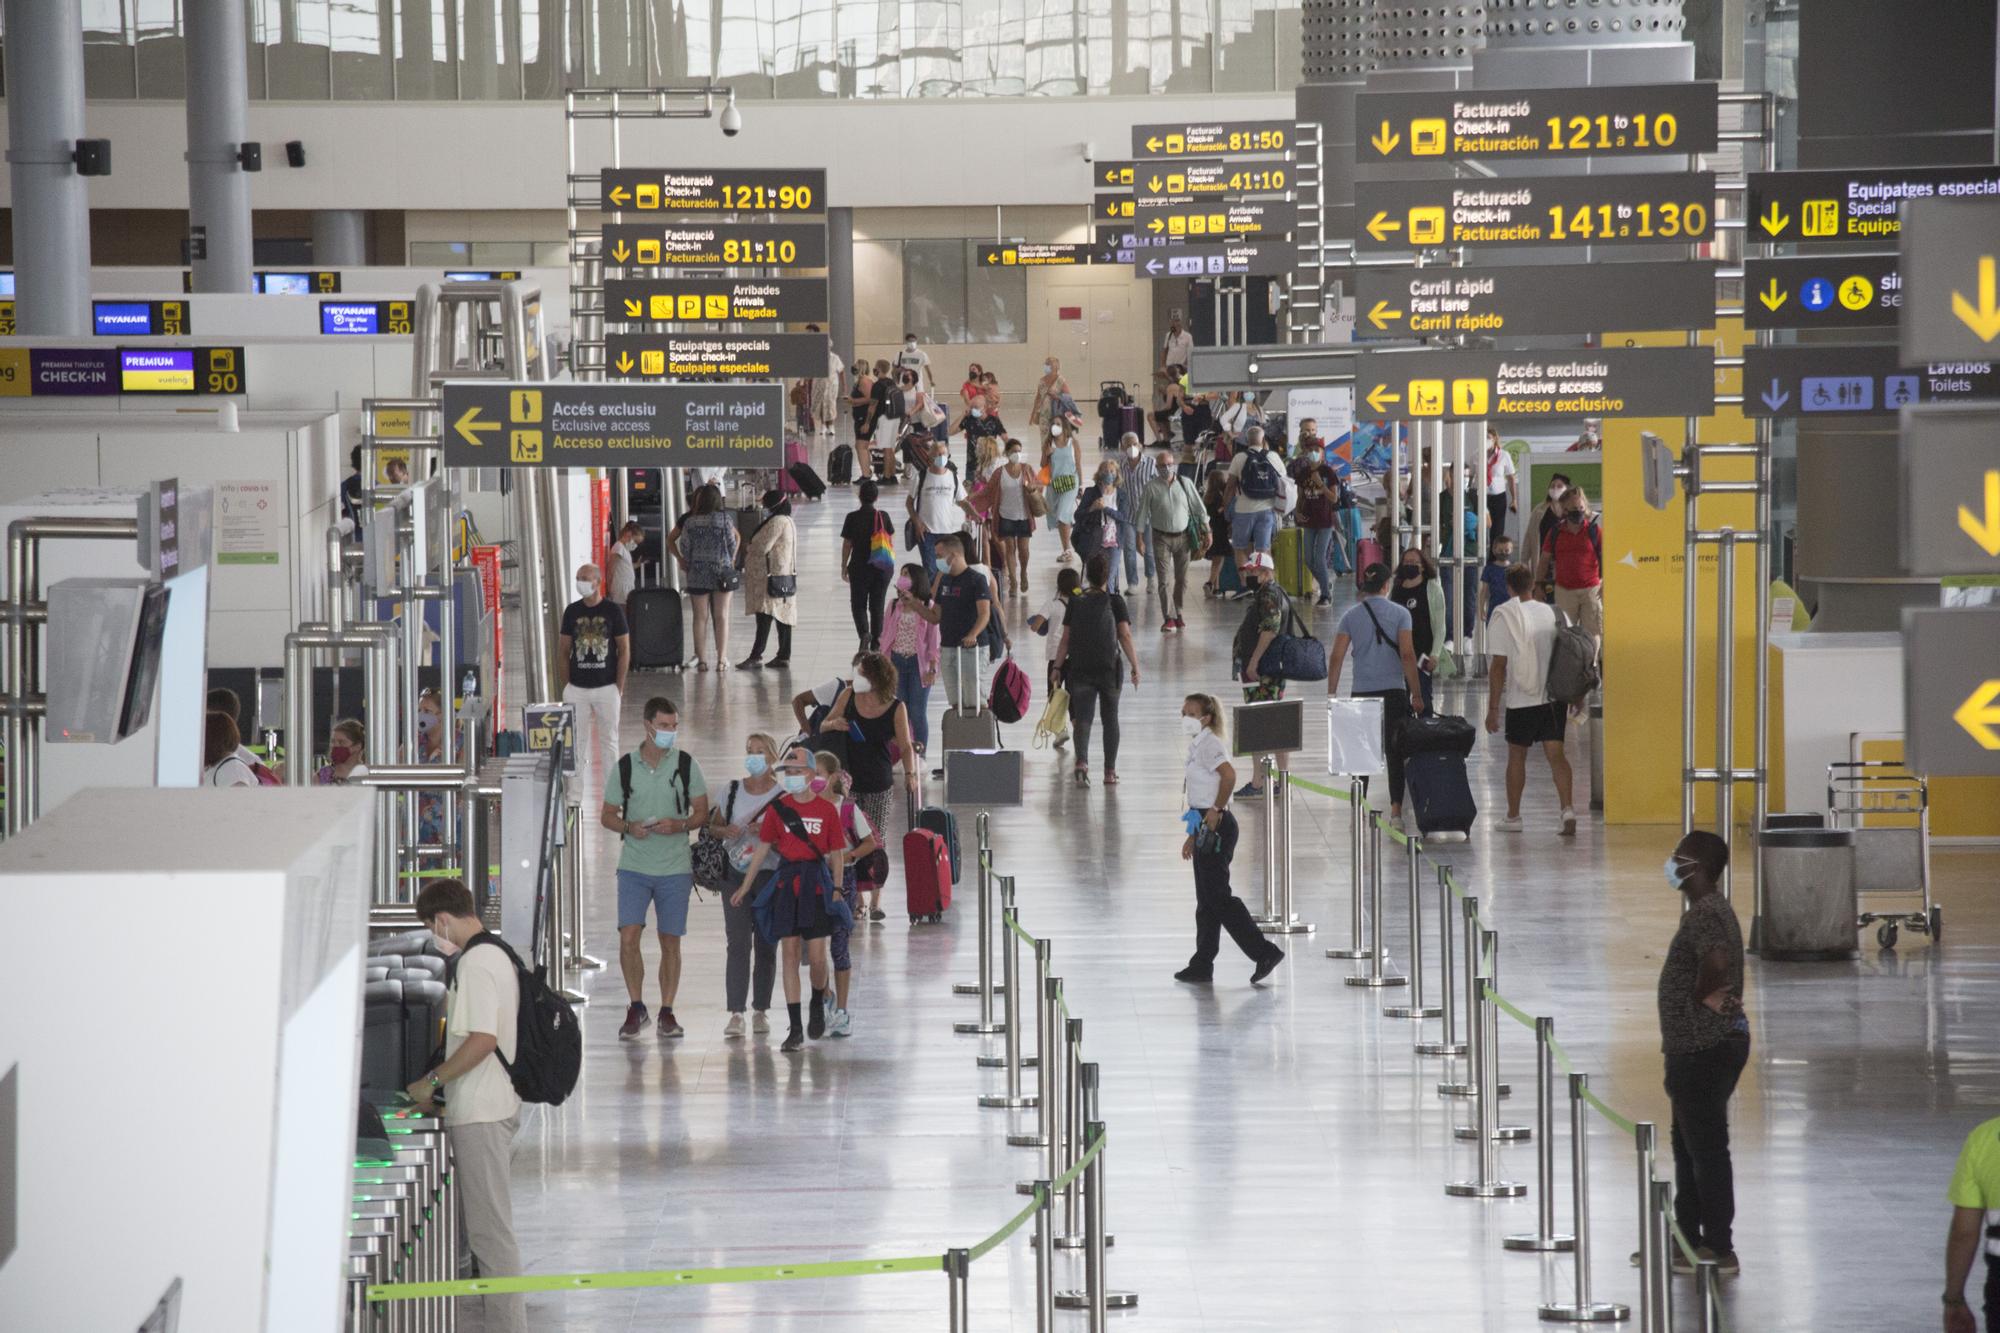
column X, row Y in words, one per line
column 1248, row 632
column 1260, row 479
column 1011, row 692
column 548, row 1040
column 1572, row 663
column 625, row 783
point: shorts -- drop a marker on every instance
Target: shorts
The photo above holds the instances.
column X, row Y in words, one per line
column 1011, row 528
column 798, row 902
column 668, row 895
column 1535, row 725
column 1254, row 529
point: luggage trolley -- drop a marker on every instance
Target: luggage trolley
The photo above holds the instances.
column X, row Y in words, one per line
column 1888, row 807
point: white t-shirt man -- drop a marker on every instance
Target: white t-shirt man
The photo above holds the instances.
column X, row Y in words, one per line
column 938, row 494
column 913, row 357
column 1523, row 632
column 1178, row 348
column 485, row 996
column 1203, row 776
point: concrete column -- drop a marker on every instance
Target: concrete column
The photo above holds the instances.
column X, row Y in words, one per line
column 340, row 238
column 218, row 98
column 840, row 281
column 51, row 202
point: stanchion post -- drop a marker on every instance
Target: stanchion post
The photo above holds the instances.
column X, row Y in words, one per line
column 1045, row 1261
column 984, row 989
column 1284, row 921
column 1052, row 1076
column 1073, row 1238
column 958, row 1280
column 1706, row 1271
column 1468, row 939
column 1447, row 983
column 1376, row 978
column 1488, row 1015
column 1093, row 1221
column 1267, row 766
column 1582, row 1310
column 1097, row 1211
column 1485, row 1128
column 1417, row 1009
column 1663, row 1241
column 1010, row 967
column 1544, row 1238
column 1045, row 1046
column 1357, row 856
column 1645, row 1145
column 982, row 869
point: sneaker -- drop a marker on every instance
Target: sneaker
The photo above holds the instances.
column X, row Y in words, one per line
column 795, row 1040
column 1167, row 627
column 1678, row 1260
column 878, row 915
column 840, row 1025
column 1726, row 1261
column 1511, row 824
column 635, row 1021
column 1324, row 600
column 1569, row 824
column 1194, row 976
column 816, row 1018
column 760, row 1022
column 734, row 1027
column 1180, row 625
column 669, row 1026
column 1268, row 966
column 1248, row 790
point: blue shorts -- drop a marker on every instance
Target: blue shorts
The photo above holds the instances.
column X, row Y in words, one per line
column 667, row 893
column 1253, row 531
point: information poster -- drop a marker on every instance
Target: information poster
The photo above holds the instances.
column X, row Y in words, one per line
column 249, row 522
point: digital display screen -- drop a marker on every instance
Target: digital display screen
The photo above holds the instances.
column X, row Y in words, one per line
column 7, row 282
column 112, row 319
column 482, row 275
column 285, row 284
column 350, row 317
column 168, row 370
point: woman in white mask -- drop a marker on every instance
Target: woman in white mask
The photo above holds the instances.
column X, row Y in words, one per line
column 1210, row 844
column 1007, row 495
column 1051, row 388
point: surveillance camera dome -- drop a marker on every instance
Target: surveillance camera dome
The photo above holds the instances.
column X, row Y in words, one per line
column 732, row 119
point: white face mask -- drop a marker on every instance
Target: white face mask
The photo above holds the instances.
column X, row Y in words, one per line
column 1048, row 369
column 1014, row 457
column 1190, row 726
column 585, row 587
column 1132, row 451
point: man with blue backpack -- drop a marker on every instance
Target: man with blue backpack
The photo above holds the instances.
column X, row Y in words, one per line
column 1256, row 485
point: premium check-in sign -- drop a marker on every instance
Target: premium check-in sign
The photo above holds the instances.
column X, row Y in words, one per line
column 697, row 244
column 1951, row 490
column 1535, row 211
column 1489, row 125
column 1951, row 692
column 1513, row 386
column 708, row 356
column 494, row 423
column 711, row 300
column 1552, row 298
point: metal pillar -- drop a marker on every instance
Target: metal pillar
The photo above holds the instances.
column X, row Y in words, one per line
column 1418, row 1009
column 340, row 237
column 1582, row 1309
column 1267, row 768
column 1544, row 1237
column 1010, row 957
column 1376, row 978
column 1645, row 1139
column 1284, row 921
column 1047, row 991
column 1096, row 1295
column 1448, row 1044
column 1725, row 694
column 1357, row 860
column 958, row 1279
column 51, row 204
column 218, row 99
column 1487, row 1039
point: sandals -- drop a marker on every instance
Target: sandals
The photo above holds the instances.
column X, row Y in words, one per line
column 1081, row 776
column 1110, row 777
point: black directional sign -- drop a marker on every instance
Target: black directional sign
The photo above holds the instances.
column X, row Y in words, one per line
column 1535, row 211
column 1512, row 386
column 494, row 423
column 1212, row 138
column 1837, row 292
column 1854, row 205
column 1829, row 381
column 1552, row 298
column 1215, row 260
column 1113, row 208
column 1119, row 175
column 716, row 190
column 707, row 356
column 1034, row 254
column 693, row 243
column 1198, row 218
column 1951, row 490
column 1950, row 252
column 1618, row 121
column 1211, row 180
column 1951, row 692
column 712, row 300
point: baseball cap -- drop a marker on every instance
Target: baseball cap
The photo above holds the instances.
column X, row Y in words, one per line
column 1258, row 560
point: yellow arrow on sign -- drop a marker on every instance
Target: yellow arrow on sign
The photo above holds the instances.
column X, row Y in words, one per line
column 1385, row 139
column 1380, row 226
column 992, row 258
column 1153, row 145
column 1154, row 185
column 621, row 252
column 1155, row 225
column 1984, row 318
column 624, row 363
column 1773, row 221
column 1379, row 398
column 633, row 309
column 617, row 194
column 1985, row 529
column 1772, row 297
column 471, row 427
column 1381, row 315
column 1980, row 714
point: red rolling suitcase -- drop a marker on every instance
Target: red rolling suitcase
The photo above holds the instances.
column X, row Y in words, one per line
column 795, row 452
column 926, row 874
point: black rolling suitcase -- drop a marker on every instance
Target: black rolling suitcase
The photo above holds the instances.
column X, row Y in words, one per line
column 654, row 616
column 840, row 466
column 1439, row 792
column 806, row 480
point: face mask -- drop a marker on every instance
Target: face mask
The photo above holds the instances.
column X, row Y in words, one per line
column 1055, row 432
column 818, row 784
column 902, row 585
column 1572, row 516
column 1132, row 452
column 585, row 587
column 794, row 782
column 664, row 739
column 976, row 414
column 943, row 565
column 427, row 723
column 1412, row 572
column 339, row 754
column 1109, row 483
column 1190, row 726
column 1555, row 493
column 909, row 344
column 755, row 764
column 1676, row 876
column 1048, row 369
column 1310, row 455
column 1013, row 458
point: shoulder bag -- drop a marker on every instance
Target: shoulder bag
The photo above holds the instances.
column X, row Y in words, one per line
column 712, row 869
column 1294, row 654
column 779, row 587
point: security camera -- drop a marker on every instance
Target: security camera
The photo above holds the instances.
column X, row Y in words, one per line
column 732, row 119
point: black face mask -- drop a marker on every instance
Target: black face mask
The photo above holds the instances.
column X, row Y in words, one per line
column 1411, row 573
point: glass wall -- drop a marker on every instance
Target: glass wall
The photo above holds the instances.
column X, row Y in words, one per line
column 509, row 50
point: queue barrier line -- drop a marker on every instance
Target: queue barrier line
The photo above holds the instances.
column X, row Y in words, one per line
column 1318, row 790
column 447, row 872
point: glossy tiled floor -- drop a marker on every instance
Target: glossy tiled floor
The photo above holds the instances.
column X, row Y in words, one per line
column 1278, row 1154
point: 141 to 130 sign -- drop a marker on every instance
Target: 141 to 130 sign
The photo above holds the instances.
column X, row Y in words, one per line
column 1535, row 211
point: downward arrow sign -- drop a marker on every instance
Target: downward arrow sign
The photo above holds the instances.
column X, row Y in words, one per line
column 1776, row 396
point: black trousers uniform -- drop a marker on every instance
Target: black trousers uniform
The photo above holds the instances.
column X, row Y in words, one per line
column 1699, row 1085
column 1216, row 906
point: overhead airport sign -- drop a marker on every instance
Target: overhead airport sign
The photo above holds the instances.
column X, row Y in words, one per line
column 1951, row 250
column 1853, row 204
column 494, row 423
column 708, row 356
column 1951, row 490
column 1506, row 386
column 716, row 190
column 1488, row 125
column 1951, row 692
column 1816, row 380
column 1210, row 180
column 140, row 319
column 1212, row 139
column 1034, row 254
column 71, row 372
column 1535, row 211
column 360, row 318
column 1113, row 208
column 1120, row 175
column 1216, row 260
column 1556, row 298
column 1853, row 292
column 1217, row 217
column 710, row 300
column 693, row 244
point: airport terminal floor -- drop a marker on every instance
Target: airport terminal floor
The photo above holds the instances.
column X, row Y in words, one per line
column 1277, row 1153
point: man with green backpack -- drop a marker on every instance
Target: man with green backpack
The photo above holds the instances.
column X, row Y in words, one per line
column 1173, row 527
